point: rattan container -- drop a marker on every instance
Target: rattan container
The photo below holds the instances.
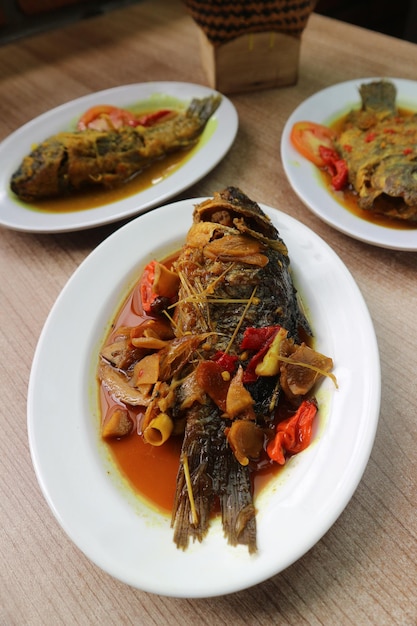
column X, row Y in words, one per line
column 246, row 46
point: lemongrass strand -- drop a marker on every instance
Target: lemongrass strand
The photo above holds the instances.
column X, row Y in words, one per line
column 185, row 465
column 200, row 301
column 240, row 322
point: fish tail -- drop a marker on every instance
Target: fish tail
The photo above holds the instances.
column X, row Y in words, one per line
column 191, row 513
column 194, row 491
column 378, row 96
column 209, row 472
column 236, row 503
column 203, row 108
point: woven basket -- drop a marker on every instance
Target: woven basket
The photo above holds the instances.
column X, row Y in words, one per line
column 250, row 45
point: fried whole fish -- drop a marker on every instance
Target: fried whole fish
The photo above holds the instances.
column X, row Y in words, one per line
column 234, row 271
column 75, row 161
column 220, row 343
column 379, row 146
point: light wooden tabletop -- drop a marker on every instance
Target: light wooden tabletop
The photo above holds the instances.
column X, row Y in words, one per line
column 364, row 570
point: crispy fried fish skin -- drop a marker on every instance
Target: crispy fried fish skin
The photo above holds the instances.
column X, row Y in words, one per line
column 75, row 161
column 235, row 274
column 380, row 149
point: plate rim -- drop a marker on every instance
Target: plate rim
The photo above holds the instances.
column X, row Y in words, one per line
column 369, row 429
column 16, row 216
column 295, row 164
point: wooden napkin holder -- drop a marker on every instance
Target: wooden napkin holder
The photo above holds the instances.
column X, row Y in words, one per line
column 251, row 62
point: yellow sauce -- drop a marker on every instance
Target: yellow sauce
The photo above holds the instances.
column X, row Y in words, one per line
column 146, row 179
column 348, row 198
column 91, row 199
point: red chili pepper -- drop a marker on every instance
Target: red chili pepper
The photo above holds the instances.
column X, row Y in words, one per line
column 151, row 118
column 389, row 131
column 340, row 179
column 370, row 137
column 258, row 339
column 250, row 375
column 226, row 361
column 147, row 293
column 255, row 338
column 293, row 434
column 347, row 147
column 336, row 167
column 407, row 151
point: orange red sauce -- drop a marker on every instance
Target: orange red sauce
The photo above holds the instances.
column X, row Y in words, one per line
column 151, row 471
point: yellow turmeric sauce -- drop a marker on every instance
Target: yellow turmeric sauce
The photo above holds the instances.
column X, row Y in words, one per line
column 149, row 177
column 348, row 198
column 91, row 199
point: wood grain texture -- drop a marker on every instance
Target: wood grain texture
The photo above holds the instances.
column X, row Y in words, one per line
column 364, row 569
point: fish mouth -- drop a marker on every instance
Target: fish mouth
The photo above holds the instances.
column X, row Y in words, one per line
column 393, row 207
column 390, row 189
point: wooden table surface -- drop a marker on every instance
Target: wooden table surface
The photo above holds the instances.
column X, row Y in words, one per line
column 363, row 571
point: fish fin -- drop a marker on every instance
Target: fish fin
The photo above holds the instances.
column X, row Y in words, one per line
column 378, row 96
column 236, row 504
column 203, row 108
column 194, row 493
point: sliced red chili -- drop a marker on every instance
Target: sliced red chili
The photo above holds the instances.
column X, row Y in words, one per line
column 250, row 375
column 336, row 167
column 259, row 340
column 341, row 177
column 370, row 137
column 255, row 338
column 227, row 362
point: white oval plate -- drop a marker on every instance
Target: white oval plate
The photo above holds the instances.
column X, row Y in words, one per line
column 17, row 215
column 116, row 529
column 323, row 108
